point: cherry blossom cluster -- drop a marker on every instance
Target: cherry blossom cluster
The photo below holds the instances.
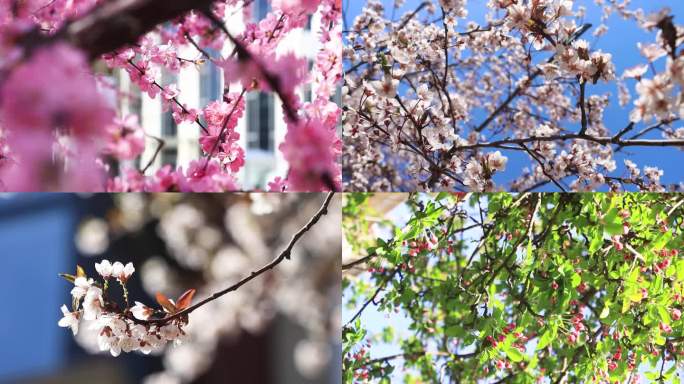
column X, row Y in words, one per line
column 118, row 326
column 68, row 136
column 436, row 102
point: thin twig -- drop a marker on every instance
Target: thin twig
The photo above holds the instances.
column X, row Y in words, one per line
column 160, row 145
column 174, row 99
column 284, row 255
column 244, row 54
column 365, row 259
column 372, row 298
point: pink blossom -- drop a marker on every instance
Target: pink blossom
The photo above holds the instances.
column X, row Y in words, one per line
column 289, row 70
column 58, row 132
column 205, row 176
column 130, row 180
column 277, row 185
column 298, row 5
column 164, row 180
column 126, row 139
column 185, row 114
column 313, row 166
column 70, row 104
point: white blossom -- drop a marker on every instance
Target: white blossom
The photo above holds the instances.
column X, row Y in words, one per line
column 169, row 332
column 70, row 319
column 496, row 161
column 93, row 303
column 118, row 330
column 386, row 88
column 122, row 272
column 81, row 287
column 482, row 85
column 104, row 268
column 635, row 72
column 141, row 311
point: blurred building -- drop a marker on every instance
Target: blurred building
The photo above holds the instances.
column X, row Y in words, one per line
column 261, row 129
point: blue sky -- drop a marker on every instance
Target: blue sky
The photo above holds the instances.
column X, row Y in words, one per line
column 621, row 41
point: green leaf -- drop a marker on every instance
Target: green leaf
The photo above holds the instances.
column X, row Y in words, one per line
column 453, row 331
column 575, row 280
column 545, row 339
column 596, row 243
column 636, row 295
column 612, row 223
column 662, row 313
column 514, row 354
column 662, row 240
column 626, row 304
column 387, row 334
column 680, row 269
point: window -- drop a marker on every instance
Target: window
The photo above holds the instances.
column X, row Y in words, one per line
column 260, row 121
column 261, row 9
column 307, row 87
column 135, row 102
column 337, row 97
column 169, row 156
column 210, row 81
column 168, row 127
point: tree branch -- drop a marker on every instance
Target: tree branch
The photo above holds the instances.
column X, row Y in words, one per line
column 518, row 90
column 114, row 24
column 372, row 298
column 365, row 259
column 583, row 109
column 284, row 255
column 160, row 145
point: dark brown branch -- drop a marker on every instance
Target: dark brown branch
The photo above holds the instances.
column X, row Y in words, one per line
column 603, row 140
column 412, row 15
column 115, row 24
column 365, row 259
column 543, row 167
column 520, row 89
column 358, row 261
column 197, row 47
column 583, row 109
column 372, row 298
column 160, row 145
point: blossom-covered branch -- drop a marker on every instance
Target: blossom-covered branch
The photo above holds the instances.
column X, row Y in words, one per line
column 69, row 137
column 112, row 25
column 121, row 327
column 436, row 102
